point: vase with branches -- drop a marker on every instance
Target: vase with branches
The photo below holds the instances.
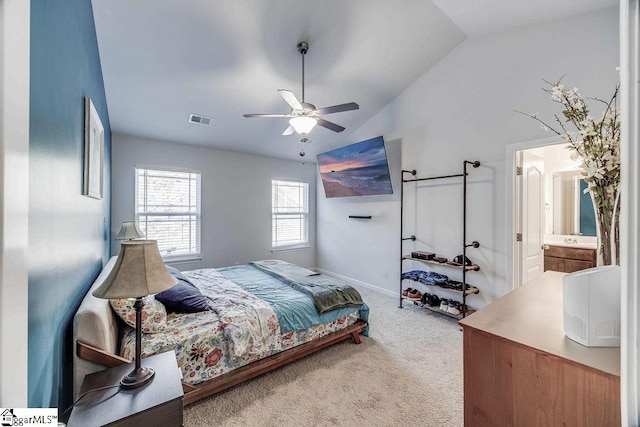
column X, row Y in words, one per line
column 595, row 142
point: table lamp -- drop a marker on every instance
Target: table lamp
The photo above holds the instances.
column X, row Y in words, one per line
column 139, row 271
column 128, row 231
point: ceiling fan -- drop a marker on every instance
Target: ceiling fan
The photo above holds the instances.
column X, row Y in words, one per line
column 304, row 116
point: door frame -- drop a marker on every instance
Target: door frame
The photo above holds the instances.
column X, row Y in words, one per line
column 15, row 26
column 513, row 256
column 629, row 223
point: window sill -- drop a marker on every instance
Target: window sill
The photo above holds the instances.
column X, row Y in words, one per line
column 290, row 248
column 182, row 258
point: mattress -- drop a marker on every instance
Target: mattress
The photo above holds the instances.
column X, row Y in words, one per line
column 241, row 328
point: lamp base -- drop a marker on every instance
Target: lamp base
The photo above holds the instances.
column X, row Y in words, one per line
column 137, row 377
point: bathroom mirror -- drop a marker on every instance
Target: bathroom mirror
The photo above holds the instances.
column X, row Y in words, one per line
column 572, row 210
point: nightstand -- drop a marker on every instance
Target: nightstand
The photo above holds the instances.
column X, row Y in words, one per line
column 158, row 403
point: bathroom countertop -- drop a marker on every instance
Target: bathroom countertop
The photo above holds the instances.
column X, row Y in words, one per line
column 578, row 245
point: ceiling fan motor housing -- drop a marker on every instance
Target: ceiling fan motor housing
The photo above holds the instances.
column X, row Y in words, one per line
column 303, row 47
column 308, row 108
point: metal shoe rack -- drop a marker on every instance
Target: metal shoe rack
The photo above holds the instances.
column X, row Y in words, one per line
column 466, row 289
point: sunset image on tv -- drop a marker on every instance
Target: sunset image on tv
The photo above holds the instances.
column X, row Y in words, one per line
column 359, row 169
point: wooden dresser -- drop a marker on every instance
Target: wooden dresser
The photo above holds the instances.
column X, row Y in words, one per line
column 521, row 370
column 568, row 259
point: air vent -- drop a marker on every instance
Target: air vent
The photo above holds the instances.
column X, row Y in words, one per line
column 194, row 118
column 306, row 140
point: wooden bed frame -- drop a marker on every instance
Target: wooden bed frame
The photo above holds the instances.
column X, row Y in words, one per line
column 95, row 333
column 215, row 385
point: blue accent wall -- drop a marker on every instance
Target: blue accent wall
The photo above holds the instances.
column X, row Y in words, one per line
column 68, row 232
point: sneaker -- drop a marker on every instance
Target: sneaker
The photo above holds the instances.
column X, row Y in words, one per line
column 457, row 304
column 452, row 310
column 444, row 305
column 405, row 292
column 414, row 294
column 424, row 299
column 433, row 300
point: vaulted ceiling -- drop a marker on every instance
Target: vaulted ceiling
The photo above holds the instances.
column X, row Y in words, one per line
column 165, row 59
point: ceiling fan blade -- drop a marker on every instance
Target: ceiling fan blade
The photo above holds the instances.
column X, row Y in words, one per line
column 338, row 108
column 290, row 98
column 329, row 125
column 266, row 115
column 289, row 130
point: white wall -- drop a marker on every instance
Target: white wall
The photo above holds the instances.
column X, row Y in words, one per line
column 236, row 197
column 463, row 109
column 356, row 248
column 14, row 200
column 557, row 158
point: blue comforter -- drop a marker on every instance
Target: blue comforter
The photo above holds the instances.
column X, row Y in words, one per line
column 328, row 294
column 294, row 309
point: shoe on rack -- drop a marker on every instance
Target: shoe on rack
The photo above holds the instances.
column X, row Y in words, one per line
column 424, row 299
column 444, row 305
column 457, row 304
column 433, row 300
column 414, row 294
column 429, row 299
column 405, row 292
column 452, row 310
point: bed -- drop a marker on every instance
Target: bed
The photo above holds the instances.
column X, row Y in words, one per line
column 262, row 315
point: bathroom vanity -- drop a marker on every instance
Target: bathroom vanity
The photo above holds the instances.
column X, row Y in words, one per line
column 567, row 259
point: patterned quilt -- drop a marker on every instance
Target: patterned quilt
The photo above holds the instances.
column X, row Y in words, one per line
column 241, row 328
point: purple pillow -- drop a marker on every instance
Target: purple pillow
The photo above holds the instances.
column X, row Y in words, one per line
column 184, row 297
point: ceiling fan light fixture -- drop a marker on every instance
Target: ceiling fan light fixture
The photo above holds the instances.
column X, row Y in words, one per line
column 304, row 115
column 303, row 124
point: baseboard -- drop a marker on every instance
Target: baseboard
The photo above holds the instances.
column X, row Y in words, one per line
column 357, row 282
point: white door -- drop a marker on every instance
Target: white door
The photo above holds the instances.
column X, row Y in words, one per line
column 532, row 220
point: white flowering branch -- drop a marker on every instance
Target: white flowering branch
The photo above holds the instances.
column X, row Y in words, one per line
column 596, row 143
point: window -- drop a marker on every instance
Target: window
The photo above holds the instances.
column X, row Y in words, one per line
column 168, row 210
column 290, row 214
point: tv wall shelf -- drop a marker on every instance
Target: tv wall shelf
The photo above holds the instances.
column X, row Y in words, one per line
column 466, row 288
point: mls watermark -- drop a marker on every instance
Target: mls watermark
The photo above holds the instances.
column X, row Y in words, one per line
column 10, row 417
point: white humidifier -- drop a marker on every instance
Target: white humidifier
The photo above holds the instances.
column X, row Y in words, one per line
column 591, row 300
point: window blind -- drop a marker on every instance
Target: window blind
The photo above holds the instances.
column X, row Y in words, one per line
column 168, row 210
column 290, row 213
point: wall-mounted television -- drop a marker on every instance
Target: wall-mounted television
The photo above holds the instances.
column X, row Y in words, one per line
column 359, row 169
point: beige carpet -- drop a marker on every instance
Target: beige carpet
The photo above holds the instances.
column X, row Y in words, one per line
column 408, row 372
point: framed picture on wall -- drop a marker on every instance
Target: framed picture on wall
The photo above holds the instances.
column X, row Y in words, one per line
column 93, row 151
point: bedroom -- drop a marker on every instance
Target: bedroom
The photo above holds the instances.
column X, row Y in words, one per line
column 463, row 104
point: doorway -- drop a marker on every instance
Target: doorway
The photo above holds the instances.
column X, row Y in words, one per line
column 549, row 206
